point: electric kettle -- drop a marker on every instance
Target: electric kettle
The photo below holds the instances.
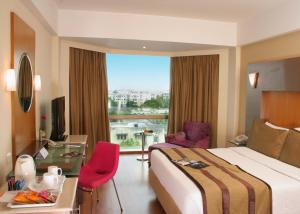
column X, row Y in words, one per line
column 25, row 169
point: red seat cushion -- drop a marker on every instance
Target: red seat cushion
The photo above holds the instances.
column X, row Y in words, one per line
column 90, row 179
column 101, row 167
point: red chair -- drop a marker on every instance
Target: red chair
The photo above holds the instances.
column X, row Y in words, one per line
column 99, row 169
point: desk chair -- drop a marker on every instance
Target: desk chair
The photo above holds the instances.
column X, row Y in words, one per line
column 99, row 169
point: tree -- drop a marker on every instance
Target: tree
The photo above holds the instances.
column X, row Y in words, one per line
column 130, row 142
column 113, row 103
column 131, row 104
column 153, row 103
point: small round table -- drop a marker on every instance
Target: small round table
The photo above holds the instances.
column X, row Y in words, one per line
column 144, row 134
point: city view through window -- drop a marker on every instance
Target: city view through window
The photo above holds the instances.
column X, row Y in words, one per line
column 138, row 98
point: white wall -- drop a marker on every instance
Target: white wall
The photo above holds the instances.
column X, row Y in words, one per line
column 233, row 92
column 75, row 23
column 278, row 21
column 63, row 78
column 43, row 66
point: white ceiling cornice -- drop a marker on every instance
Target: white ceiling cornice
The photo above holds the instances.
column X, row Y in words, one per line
column 75, row 23
column 278, row 20
column 46, row 11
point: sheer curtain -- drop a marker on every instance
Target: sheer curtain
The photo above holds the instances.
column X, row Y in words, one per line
column 88, row 95
column 194, row 92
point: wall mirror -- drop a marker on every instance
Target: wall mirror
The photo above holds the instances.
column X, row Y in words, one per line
column 24, row 83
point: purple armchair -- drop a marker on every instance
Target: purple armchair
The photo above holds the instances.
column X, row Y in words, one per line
column 194, row 135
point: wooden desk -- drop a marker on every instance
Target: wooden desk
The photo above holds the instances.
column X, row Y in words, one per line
column 64, row 205
column 75, row 139
column 70, row 166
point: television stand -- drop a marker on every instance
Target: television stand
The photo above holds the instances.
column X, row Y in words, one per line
column 64, row 138
column 60, row 138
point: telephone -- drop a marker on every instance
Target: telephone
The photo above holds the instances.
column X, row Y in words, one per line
column 240, row 140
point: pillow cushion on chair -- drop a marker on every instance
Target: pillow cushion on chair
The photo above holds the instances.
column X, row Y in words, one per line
column 266, row 140
column 173, row 138
column 196, row 131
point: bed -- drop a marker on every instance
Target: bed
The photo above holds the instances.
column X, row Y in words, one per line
column 178, row 193
column 185, row 197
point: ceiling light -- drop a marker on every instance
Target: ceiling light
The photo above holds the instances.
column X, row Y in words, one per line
column 144, row 47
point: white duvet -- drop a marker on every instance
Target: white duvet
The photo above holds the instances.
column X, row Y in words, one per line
column 284, row 179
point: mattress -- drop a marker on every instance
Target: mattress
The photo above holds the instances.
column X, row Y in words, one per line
column 284, row 179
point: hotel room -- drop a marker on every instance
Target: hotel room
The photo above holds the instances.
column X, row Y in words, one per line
column 112, row 106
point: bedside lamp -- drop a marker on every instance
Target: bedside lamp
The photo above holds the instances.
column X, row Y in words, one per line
column 37, row 83
column 253, row 77
column 10, row 79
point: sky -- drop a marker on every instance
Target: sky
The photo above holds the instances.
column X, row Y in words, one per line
column 150, row 73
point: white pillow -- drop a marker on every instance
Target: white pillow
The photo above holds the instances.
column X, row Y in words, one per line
column 275, row 127
column 297, row 129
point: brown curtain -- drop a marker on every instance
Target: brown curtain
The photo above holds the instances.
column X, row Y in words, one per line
column 88, row 95
column 194, row 92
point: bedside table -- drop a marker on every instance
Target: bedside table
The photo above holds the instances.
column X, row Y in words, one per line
column 233, row 144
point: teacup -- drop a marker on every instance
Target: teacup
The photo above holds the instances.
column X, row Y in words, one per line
column 50, row 180
column 55, row 170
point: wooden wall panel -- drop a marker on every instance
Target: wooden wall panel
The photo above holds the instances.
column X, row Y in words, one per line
column 23, row 124
column 278, row 75
column 281, row 108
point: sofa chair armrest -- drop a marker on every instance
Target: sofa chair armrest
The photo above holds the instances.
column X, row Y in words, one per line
column 172, row 138
column 203, row 143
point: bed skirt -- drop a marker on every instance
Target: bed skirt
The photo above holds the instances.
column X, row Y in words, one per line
column 162, row 195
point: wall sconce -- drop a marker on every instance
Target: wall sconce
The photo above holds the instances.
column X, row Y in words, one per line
column 10, row 80
column 253, row 78
column 37, row 83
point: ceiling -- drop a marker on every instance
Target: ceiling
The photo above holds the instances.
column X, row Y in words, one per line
column 222, row 10
column 137, row 45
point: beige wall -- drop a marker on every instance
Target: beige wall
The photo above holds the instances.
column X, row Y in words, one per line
column 281, row 47
column 43, row 60
column 227, row 63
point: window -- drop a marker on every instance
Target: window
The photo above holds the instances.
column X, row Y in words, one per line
column 138, row 98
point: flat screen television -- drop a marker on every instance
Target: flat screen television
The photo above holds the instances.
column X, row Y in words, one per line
column 58, row 119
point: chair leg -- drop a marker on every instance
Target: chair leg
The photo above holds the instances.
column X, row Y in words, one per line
column 91, row 193
column 97, row 195
column 117, row 195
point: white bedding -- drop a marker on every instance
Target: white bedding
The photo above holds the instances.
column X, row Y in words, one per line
column 284, row 179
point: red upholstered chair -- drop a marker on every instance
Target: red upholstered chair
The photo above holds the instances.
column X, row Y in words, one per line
column 100, row 168
column 193, row 135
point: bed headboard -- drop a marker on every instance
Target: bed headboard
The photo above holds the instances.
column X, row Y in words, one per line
column 281, row 108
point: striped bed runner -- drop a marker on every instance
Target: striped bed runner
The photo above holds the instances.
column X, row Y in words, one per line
column 225, row 188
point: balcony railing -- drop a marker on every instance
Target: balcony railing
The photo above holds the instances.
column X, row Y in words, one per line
column 125, row 130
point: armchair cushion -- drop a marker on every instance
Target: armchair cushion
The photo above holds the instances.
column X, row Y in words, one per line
column 196, row 131
column 183, row 143
column 203, row 143
column 174, row 138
